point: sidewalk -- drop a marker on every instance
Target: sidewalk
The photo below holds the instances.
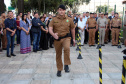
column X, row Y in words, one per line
column 40, row 67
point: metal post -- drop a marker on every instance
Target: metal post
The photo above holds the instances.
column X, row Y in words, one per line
column 119, row 44
column 115, row 9
column 98, row 41
column 108, row 7
column 94, row 5
column 79, row 56
column 123, row 70
column 100, row 5
column 100, row 65
column 77, row 49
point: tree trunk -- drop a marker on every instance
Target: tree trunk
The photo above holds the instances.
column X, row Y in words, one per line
column 2, row 9
column 21, row 6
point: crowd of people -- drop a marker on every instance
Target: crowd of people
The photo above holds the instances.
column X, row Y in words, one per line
column 34, row 30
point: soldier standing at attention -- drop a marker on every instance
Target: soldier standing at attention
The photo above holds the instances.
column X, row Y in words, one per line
column 91, row 26
column 107, row 30
column 59, row 28
column 115, row 28
column 102, row 24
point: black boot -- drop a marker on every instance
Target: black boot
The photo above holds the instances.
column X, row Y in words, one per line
column 13, row 54
column 9, row 56
column 59, row 73
column 66, row 68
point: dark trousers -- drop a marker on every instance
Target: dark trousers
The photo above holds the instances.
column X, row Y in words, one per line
column 18, row 36
column 51, row 41
column 0, row 42
column 10, row 41
column 96, row 37
column 86, row 36
column 71, row 38
column 109, row 36
column 31, row 36
column 36, row 40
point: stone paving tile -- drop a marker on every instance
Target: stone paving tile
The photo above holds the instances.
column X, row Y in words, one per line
column 21, row 77
column 12, row 66
column 8, row 71
column 40, row 82
column 4, row 78
column 56, row 81
column 25, row 71
column 115, row 75
column 96, row 76
column 19, row 82
column 42, row 71
column 41, row 76
column 28, row 66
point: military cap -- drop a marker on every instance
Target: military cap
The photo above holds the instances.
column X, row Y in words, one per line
column 62, row 7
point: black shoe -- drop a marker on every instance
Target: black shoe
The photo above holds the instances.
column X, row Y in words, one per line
column 51, row 47
column 113, row 45
column 35, row 51
column 59, row 73
column 8, row 56
column 93, row 45
column 39, row 50
column 66, row 68
column 89, row 45
column 103, row 45
column 13, row 54
column 4, row 48
column 0, row 50
column 85, row 42
column 106, row 42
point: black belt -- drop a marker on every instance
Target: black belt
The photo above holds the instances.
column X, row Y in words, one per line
column 68, row 35
column 116, row 27
column 91, row 27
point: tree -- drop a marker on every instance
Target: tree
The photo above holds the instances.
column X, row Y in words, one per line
column 2, row 6
column 49, row 5
column 103, row 8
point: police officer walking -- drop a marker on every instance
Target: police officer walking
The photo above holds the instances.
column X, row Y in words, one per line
column 91, row 26
column 59, row 28
column 115, row 27
column 102, row 24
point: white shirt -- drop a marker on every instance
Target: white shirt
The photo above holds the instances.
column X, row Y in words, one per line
column 81, row 24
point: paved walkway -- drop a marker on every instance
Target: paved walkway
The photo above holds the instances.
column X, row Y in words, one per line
column 40, row 68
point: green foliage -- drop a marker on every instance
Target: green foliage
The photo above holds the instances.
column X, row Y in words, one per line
column 103, row 8
column 48, row 5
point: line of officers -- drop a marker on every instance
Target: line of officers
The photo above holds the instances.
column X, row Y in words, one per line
column 104, row 25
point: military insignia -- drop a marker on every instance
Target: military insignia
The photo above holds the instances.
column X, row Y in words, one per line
column 67, row 20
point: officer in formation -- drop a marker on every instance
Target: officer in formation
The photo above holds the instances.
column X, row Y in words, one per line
column 107, row 30
column 91, row 26
column 102, row 24
column 115, row 28
column 59, row 28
